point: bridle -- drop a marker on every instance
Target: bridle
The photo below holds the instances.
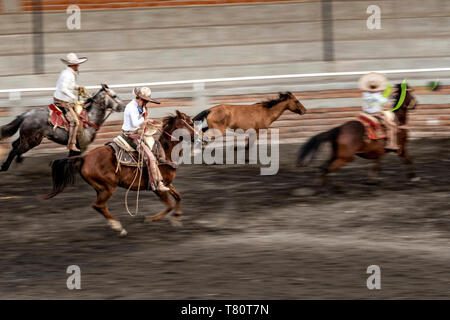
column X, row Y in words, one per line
column 172, row 137
column 106, row 90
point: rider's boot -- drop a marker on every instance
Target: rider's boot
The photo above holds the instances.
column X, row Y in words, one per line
column 73, row 138
column 391, row 139
column 161, row 187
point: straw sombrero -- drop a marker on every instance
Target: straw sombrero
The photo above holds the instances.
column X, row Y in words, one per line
column 145, row 93
column 373, row 82
column 72, row 59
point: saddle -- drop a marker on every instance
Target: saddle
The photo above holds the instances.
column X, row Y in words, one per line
column 58, row 120
column 127, row 156
column 373, row 125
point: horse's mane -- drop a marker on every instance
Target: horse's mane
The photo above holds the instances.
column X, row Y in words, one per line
column 168, row 121
column 281, row 97
column 88, row 101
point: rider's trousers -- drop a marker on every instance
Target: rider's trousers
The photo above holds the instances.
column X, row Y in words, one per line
column 152, row 162
column 391, row 125
column 72, row 117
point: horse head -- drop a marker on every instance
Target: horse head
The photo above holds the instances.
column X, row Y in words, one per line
column 111, row 99
column 179, row 121
column 293, row 104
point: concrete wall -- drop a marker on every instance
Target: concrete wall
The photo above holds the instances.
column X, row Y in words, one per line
column 178, row 43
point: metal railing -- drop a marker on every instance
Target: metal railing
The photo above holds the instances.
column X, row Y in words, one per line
column 232, row 79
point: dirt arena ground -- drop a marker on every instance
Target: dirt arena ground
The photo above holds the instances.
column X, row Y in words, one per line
column 244, row 235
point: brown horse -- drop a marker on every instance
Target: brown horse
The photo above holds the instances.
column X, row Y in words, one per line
column 99, row 168
column 349, row 140
column 256, row 116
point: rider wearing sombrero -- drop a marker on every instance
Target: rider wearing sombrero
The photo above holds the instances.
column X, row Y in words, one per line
column 65, row 96
column 134, row 118
column 373, row 85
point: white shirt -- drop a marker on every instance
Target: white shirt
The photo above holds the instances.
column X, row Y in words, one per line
column 132, row 120
column 66, row 86
column 373, row 102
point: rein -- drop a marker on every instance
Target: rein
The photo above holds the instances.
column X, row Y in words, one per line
column 172, row 137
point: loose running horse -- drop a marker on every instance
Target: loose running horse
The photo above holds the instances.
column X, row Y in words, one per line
column 256, row 116
column 34, row 125
column 349, row 140
column 99, row 169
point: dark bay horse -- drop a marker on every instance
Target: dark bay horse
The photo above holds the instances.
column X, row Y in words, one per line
column 34, row 125
column 99, row 169
column 256, row 116
column 349, row 140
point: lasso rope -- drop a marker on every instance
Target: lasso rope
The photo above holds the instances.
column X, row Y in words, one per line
column 139, row 169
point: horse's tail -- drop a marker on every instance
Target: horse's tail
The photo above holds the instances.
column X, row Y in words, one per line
column 202, row 117
column 313, row 144
column 9, row 129
column 63, row 174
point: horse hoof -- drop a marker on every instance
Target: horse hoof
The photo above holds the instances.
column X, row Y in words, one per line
column 176, row 222
column 123, row 233
column 115, row 225
column 415, row 179
column 151, row 219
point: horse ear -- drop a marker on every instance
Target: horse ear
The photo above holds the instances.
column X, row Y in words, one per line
column 104, row 86
column 178, row 113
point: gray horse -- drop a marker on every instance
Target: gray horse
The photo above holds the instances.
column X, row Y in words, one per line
column 34, row 126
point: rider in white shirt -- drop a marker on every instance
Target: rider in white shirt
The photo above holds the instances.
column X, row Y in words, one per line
column 134, row 117
column 373, row 85
column 65, row 95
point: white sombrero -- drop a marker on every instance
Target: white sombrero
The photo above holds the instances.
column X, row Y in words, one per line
column 145, row 93
column 373, row 82
column 72, row 59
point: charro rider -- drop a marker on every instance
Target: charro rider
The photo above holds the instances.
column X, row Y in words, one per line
column 134, row 119
column 65, row 96
column 373, row 85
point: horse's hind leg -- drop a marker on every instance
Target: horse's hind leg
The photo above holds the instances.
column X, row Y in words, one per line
column 332, row 165
column 12, row 154
column 165, row 197
column 103, row 195
column 21, row 146
column 17, row 150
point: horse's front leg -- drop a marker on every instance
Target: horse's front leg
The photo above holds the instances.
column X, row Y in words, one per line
column 403, row 154
column 165, row 197
column 177, row 213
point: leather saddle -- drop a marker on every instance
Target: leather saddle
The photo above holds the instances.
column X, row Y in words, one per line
column 127, row 156
column 373, row 125
column 58, row 120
